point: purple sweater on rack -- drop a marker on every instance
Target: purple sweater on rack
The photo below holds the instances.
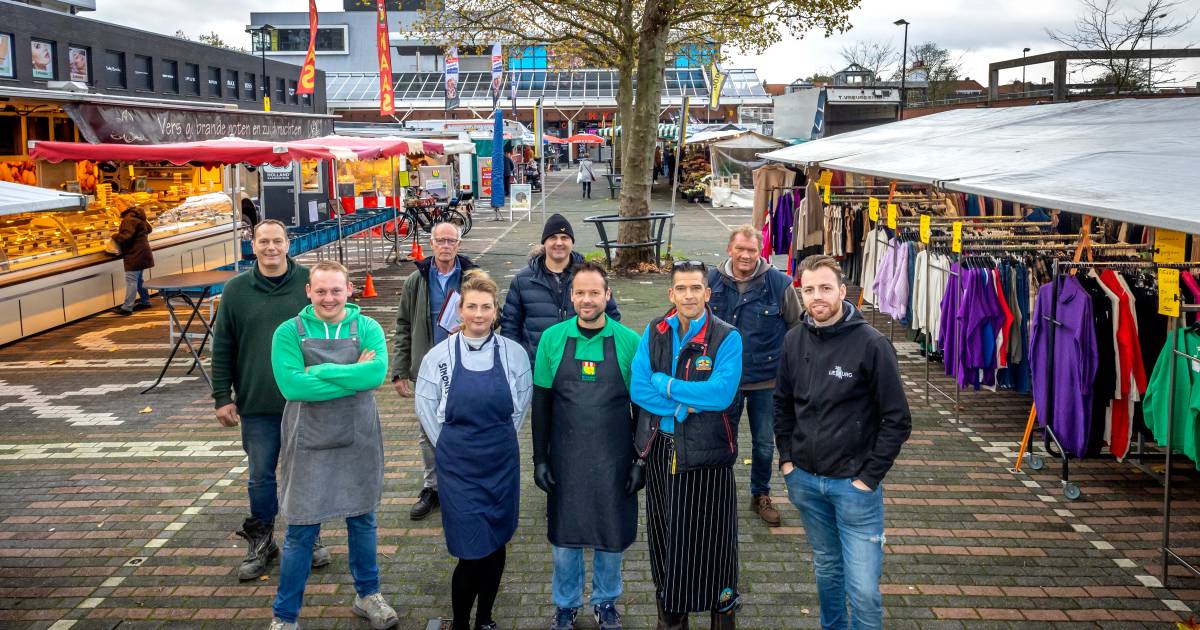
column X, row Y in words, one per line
column 1074, row 364
column 947, row 339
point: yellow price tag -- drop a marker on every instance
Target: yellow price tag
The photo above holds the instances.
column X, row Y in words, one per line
column 873, row 208
column 1169, row 246
column 131, row 174
column 892, row 214
column 825, row 195
column 1168, row 292
column 956, row 237
column 926, row 229
column 826, row 178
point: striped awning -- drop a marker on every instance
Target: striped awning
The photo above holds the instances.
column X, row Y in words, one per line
column 666, row 131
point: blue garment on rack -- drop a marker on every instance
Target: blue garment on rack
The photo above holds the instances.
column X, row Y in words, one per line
column 782, row 222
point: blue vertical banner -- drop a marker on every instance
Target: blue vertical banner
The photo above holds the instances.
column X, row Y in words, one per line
column 498, row 174
column 497, row 74
column 452, row 78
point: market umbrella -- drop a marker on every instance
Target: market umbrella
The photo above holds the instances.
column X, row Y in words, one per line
column 498, row 160
column 585, row 138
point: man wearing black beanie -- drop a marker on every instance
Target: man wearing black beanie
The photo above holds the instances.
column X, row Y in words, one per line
column 540, row 294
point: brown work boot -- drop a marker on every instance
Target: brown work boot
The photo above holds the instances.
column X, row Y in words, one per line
column 766, row 511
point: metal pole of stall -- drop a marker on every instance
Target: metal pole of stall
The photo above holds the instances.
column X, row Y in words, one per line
column 236, row 183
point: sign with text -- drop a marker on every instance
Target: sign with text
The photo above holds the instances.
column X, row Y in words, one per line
column 136, row 125
column 1168, row 292
column 1169, row 246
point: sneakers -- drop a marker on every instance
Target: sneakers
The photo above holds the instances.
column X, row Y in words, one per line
column 279, row 624
column 564, row 619
column 607, row 616
column 374, row 608
column 120, row 310
column 491, row 625
column 260, row 549
column 766, row 511
column 426, row 503
column 141, row 306
column 320, row 555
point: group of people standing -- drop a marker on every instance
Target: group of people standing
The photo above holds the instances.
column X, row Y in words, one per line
column 612, row 413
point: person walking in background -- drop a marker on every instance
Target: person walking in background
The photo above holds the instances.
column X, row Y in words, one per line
column 253, row 304
column 658, row 162
column 759, row 300
column 133, row 239
column 328, row 361
column 586, row 175
column 583, row 449
column 420, row 325
column 841, row 418
column 472, row 394
column 669, row 164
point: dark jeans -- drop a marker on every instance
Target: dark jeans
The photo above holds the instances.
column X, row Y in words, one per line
column 760, row 410
column 260, row 440
column 587, row 189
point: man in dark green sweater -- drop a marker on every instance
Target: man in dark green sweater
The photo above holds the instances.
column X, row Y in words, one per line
column 253, row 305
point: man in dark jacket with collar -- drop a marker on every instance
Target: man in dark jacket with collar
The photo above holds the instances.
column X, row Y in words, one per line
column 253, row 305
column 540, row 294
column 759, row 300
column 419, row 327
column 840, row 419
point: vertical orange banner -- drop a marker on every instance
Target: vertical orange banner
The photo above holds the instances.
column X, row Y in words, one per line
column 308, row 74
column 387, row 104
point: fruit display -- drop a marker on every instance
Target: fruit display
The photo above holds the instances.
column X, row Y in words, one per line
column 19, row 173
column 86, row 174
column 693, row 168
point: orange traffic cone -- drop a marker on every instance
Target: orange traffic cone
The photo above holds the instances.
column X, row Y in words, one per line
column 369, row 290
column 415, row 253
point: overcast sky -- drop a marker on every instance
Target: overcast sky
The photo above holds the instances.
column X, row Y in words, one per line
column 977, row 31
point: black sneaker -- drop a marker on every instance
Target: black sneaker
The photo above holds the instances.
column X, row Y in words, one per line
column 141, row 306
column 119, row 310
column 260, row 550
column 607, row 616
column 564, row 619
column 426, row 503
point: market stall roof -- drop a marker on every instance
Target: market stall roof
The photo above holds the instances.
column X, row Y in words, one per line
column 704, row 137
column 1130, row 160
column 223, row 151
column 388, row 146
column 585, row 138
column 16, row 198
column 749, row 140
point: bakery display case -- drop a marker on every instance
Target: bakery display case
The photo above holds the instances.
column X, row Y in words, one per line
column 33, row 239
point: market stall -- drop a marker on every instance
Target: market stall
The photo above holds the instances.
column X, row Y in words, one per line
column 1088, row 205
column 733, row 155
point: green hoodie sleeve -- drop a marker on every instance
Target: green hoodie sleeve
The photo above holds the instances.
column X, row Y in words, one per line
column 287, row 363
column 359, row 377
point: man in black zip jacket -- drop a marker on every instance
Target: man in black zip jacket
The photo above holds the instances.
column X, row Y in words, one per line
column 840, row 419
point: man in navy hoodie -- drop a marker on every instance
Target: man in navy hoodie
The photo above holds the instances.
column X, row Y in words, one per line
column 840, row 419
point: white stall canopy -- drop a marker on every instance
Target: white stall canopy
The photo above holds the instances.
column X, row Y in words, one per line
column 1135, row 160
column 17, row 198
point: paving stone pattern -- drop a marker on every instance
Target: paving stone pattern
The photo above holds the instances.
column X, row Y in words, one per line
column 118, row 508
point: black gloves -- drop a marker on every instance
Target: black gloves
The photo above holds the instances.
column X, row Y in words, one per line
column 637, row 479
column 543, row 478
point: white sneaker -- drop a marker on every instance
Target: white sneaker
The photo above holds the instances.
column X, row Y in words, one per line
column 279, row 624
column 374, row 608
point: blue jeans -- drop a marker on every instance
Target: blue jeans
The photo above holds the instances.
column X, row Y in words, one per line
column 134, row 289
column 297, row 563
column 568, row 577
column 844, row 525
column 260, row 440
column 760, row 410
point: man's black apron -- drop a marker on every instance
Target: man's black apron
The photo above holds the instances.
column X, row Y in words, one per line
column 591, row 451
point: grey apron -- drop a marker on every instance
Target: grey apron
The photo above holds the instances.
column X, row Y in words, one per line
column 331, row 460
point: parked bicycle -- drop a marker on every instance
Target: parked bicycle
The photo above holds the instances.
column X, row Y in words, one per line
column 423, row 211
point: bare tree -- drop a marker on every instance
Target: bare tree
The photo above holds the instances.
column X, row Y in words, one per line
column 878, row 57
column 1104, row 26
column 941, row 67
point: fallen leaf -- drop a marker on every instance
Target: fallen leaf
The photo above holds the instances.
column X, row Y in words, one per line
column 263, row 578
column 146, row 410
column 746, row 462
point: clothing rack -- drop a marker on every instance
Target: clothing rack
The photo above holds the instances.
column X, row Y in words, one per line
column 1071, row 490
column 1168, row 554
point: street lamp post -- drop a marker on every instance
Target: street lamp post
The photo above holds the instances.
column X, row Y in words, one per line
column 1150, row 59
column 263, row 35
column 1024, row 87
column 903, row 63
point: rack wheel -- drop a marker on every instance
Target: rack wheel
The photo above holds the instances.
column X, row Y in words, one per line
column 1071, row 491
column 1036, row 462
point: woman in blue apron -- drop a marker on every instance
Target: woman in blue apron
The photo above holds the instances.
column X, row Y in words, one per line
column 472, row 394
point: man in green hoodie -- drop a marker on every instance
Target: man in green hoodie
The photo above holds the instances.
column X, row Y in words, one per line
column 253, row 304
column 328, row 362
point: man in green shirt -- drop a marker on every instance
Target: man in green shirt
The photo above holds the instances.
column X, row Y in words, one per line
column 253, row 304
column 583, row 426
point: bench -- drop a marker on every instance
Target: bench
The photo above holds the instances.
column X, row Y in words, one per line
column 614, row 184
column 658, row 221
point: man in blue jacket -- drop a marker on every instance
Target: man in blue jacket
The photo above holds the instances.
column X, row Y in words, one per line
column 760, row 302
column 540, row 294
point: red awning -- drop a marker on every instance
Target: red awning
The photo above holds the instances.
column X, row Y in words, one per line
column 223, row 151
column 553, row 140
column 388, row 146
column 585, row 138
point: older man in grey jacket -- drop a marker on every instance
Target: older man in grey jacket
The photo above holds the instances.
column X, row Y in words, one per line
column 419, row 327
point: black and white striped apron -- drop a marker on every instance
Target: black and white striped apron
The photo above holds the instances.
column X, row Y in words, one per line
column 692, row 531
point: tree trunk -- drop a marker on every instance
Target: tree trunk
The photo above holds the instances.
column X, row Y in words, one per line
column 641, row 128
column 625, row 107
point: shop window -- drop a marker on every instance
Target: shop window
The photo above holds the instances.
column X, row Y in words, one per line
column 114, row 69
column 191, row 79
column 170, row 76
column 37, row 128
column 10, row 135
column 530, row 58
column 43, row 55
column 294, row 39
column 143, row 73
column 8, row 69
column 63, row 128
column 310, row 176
column 79, row 64
column 281, row 90
column 214, row 81
column 231, row 84
column 292, row 96
column 248, row 92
